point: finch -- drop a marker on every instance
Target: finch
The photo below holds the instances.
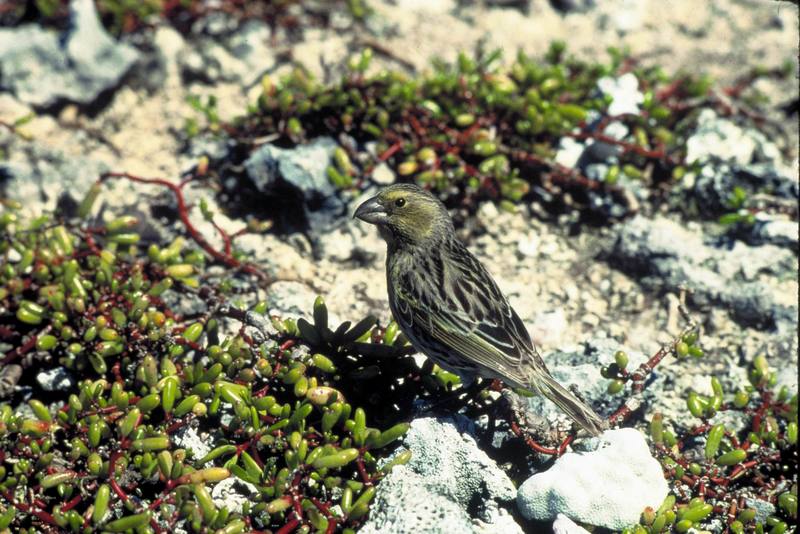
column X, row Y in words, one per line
column 449, row 306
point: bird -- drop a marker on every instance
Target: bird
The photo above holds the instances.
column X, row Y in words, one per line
column 449, row 306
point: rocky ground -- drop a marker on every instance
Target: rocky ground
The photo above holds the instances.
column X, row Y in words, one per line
column 583, row 292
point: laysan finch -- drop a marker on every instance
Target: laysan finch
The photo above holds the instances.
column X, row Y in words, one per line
column 449, row 306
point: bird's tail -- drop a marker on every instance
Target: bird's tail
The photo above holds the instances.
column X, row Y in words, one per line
column 578, row 410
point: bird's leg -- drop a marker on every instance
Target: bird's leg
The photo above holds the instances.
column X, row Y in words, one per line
column 517, row 430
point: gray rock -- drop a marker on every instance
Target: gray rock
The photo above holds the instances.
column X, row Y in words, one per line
column 188, row 304
column 594, row 487
column 304, row 169
column 290, row 299
column 670, row 256
column 723, row 140
column 763, row 509
column 714, row 184
column 787, row 376
column 37, row 174
column 453, row 465
column 447, row 478
column 778, row 232
column 572, row 6
column 241, row 56
column 43, row 68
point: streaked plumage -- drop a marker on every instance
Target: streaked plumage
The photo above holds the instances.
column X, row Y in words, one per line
column 449, row 306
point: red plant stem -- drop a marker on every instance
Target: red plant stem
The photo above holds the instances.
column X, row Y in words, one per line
column 44, row 516
column 739, row 471
column 112, row 481
column 564, row 444
column 290, row 526
column 6, row 332
column 171, row 484
column 562, row 172
column 71, row 504
column 326, row 511
column 531, row 443
column 226, row 239
column 183, row 214
column 26, row 346
column 628, row 147
column 391, row 151
column 362, row 470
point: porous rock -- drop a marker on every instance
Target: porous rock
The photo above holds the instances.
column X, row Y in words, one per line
column 448, row 481
column 565, row 525
column 608, row 487
column 232, row 493
column 404, row 505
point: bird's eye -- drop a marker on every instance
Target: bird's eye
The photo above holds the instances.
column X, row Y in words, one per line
column 400, row 202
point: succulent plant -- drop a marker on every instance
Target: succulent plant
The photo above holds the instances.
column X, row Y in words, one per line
column 277, row 413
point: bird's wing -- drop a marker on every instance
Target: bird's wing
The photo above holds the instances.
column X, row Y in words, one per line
column 470, row 317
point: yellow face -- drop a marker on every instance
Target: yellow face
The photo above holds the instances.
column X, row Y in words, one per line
column 406, row 212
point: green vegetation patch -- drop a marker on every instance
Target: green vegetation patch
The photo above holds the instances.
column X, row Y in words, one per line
column 477, row 129
column 278, row 406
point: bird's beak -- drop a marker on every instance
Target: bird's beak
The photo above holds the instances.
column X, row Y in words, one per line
column 372, row 211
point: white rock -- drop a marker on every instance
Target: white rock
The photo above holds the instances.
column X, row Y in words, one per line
column 629, row 16
column 500, row 522
column 55, row 379
column 232, row 493
column 569, row 151
column 617, row 130
column 383, row 175
column 427, row 6
column 717, row 138
column 188, row 438
column 528, row 244
column 549, row 327
column 608, row 487
column 168, row 42
column 448, row 486
column 565, row 525
column 624, row 92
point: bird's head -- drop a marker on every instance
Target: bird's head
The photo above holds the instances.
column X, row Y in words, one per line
column 406, row 215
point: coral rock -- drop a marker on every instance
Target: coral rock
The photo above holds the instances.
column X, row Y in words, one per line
column 608, row 487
